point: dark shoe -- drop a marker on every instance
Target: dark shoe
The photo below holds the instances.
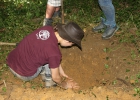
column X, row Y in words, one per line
column 100, row 26
column 109, row 32
column 57, row 14
column 47, row 21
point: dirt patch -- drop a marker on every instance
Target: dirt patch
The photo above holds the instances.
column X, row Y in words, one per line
column 104, row 69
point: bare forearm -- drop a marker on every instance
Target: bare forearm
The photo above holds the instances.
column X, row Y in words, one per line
column 62, row 73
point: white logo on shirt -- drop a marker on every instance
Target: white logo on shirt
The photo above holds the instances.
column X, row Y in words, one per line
column 43, row 35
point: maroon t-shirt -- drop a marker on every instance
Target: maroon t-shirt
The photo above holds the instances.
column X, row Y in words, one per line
column 38, row 48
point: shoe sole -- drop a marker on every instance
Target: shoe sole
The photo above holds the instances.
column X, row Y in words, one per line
column 50, row 83
column 111, row 35
column 51, row 86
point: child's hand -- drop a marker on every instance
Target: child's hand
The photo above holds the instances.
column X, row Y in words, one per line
column 68, row 83
column 71, row 84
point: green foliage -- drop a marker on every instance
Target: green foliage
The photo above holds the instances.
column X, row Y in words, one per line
column 82, row 12
column 137, row 90
column 17, row 15
column 106, row 66
column 16, row 19
column 129, row 20
column 4, row 89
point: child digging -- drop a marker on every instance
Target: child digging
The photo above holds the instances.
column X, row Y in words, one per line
column 39, row 53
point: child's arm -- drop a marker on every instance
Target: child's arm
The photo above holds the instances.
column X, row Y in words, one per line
column 62, row 73
column 57, row 78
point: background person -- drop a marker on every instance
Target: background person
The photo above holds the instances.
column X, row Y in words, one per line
column 52, row 10
column 109, row 22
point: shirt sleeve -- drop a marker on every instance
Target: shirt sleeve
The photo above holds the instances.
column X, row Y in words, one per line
column 54, row 61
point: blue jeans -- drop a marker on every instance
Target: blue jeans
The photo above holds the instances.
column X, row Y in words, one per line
column 41, row 70
column 109, row 12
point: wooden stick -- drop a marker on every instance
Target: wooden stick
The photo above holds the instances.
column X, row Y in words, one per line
column 4, row 83
column 62, row 16
column 6, row 43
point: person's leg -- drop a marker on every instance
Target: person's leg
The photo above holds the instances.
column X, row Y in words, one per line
column 100, row 26
column 109, row 12
column 57, row 12
column 25, row 78
column 109, row 22
column 49, row 11
column 46, row 73
column 57, row 9
column 56, row 4
column 52, row 10
column 46, row 76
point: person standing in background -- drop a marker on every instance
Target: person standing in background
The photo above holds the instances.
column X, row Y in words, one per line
column 52, row 10
column 108, row 23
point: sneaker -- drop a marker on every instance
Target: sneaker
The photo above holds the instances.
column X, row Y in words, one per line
column 100, row 26
column 50, row 83
column 48, row 80
column 47, row 21
column 109, row 32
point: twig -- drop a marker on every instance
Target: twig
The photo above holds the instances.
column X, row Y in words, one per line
column 62, row 16
column 4, row 83
column 123, row 81
column 5, row 43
